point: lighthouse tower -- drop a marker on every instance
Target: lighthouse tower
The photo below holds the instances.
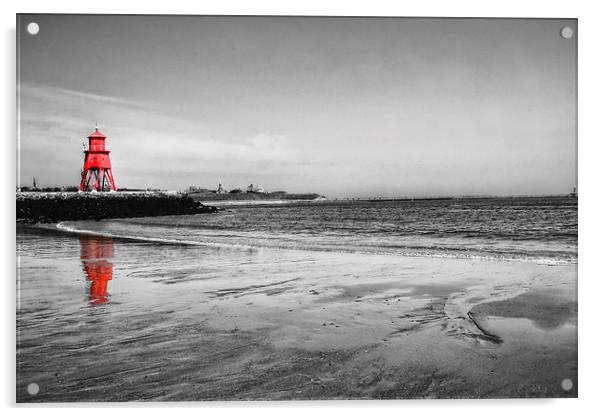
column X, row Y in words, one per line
column 97, row 174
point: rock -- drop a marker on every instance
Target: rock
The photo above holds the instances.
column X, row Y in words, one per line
column 33, row 207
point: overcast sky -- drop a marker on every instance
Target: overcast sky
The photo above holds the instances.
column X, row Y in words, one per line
column 339, row 106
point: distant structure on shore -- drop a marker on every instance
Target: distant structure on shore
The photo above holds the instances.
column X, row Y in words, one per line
column 256, row 189
column 251, row 193
column 97, row 174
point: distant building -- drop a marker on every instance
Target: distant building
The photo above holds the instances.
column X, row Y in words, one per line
column 256, row 189
column 199, row 189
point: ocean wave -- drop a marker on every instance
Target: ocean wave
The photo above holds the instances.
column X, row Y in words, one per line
column 275, row 242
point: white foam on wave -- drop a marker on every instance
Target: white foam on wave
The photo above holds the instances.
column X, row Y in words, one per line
column 61, row 226
column 409, row 252
column 259, row 202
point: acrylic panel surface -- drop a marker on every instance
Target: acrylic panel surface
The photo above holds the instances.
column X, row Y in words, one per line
column 295, row 208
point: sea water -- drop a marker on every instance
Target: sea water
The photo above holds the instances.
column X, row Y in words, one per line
column 531, row 229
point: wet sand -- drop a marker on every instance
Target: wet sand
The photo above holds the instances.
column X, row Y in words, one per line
column 112, row 320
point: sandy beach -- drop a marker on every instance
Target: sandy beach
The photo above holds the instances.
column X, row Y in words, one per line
column 184, row 322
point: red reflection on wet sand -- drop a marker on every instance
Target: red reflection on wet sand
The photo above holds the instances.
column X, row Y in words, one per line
column 95, row 252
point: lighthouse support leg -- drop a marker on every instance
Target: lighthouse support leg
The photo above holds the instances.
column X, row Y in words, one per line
column 82, row 182
column 104, row 173
column 88, row 179
column 91, row 181
column 96, row 186
column 111, row 180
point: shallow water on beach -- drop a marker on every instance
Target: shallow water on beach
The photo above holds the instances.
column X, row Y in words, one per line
column 106, row 318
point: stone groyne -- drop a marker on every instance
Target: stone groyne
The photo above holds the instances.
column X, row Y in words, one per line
column 35, row 207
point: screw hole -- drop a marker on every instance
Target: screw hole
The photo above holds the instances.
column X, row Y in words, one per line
column 567, row 384
column 33, row 389
column 566, row 32
column 33, row 28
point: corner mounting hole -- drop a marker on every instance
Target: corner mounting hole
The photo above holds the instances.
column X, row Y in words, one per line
column 33, row 28
column 566, row 32
column 33, row 389
column 567, row 384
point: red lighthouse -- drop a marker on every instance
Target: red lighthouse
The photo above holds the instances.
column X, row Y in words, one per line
column 97, row 174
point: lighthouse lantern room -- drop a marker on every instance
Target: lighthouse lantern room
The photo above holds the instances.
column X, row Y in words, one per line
column 97, row 175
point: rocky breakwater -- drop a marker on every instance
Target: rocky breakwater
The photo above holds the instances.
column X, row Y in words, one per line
column 35, row 207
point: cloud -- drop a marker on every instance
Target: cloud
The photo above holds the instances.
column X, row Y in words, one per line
column 149, row 144
column 67, row 96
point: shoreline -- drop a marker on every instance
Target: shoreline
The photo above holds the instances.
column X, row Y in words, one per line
column 60, row 228
column 261, row 202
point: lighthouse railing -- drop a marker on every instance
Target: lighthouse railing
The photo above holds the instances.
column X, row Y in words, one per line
column 97, row 148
